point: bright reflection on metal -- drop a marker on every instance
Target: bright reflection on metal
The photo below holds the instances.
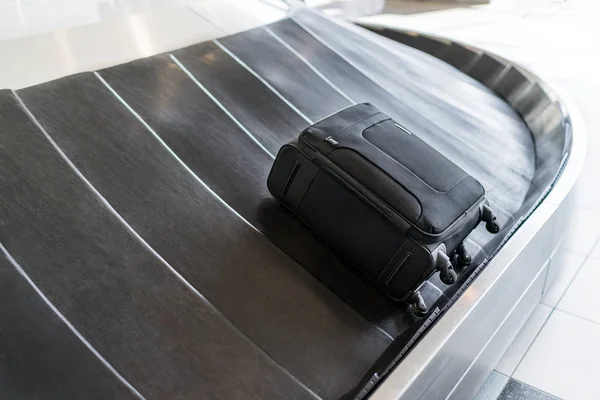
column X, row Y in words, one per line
column 262, row 11
column 20, row 12
column 66, row 51
column 142, row 38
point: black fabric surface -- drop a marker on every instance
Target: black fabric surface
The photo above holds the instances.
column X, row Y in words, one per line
column 161, row 336
column 40, row 358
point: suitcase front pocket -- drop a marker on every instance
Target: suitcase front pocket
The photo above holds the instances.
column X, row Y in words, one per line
column 378, row 182
column 353, row 227
column 414, row 156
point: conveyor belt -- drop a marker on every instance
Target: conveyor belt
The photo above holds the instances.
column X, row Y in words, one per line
column 39, row 351
column 135, row 200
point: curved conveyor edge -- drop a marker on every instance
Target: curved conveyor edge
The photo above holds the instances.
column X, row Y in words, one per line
column 455, row 357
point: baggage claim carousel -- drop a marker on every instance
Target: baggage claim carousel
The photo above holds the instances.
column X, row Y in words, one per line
column 143, row 257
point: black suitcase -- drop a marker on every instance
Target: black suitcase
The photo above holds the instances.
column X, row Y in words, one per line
column 383, row 198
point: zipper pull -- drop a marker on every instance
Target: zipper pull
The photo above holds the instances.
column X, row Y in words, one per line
column 331, row 141
column 403, row 129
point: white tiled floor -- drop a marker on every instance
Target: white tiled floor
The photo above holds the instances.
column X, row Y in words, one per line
column 583, row 297
column 28, row 17
column 347, row 8
column 160, row 28
column 584, row 231
column 23, row 18
column 65, row 52
column 558, row 349
column 567, row 264
column 564, row 360
column 492, row 386
column 588, row 191
column 511, row 359
column 596, row 251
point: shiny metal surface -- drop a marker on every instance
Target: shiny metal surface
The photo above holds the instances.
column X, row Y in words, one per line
column 487, row 359
column 455, row 357
column 46, row 56
column 32, row 17
column 439, row 360
column 96, row 46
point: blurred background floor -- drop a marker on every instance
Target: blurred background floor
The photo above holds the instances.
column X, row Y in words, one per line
column 20, row 18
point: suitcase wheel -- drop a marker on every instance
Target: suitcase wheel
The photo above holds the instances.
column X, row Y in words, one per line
column 418, row 306
column 491, row 223
column 448, row 276
column 447, row 273
column 492, row 227
column 463, row 256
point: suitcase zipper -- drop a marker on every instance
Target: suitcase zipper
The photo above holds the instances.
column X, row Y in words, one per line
column 397, row 219
column 290, row 178
column 331, row 140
